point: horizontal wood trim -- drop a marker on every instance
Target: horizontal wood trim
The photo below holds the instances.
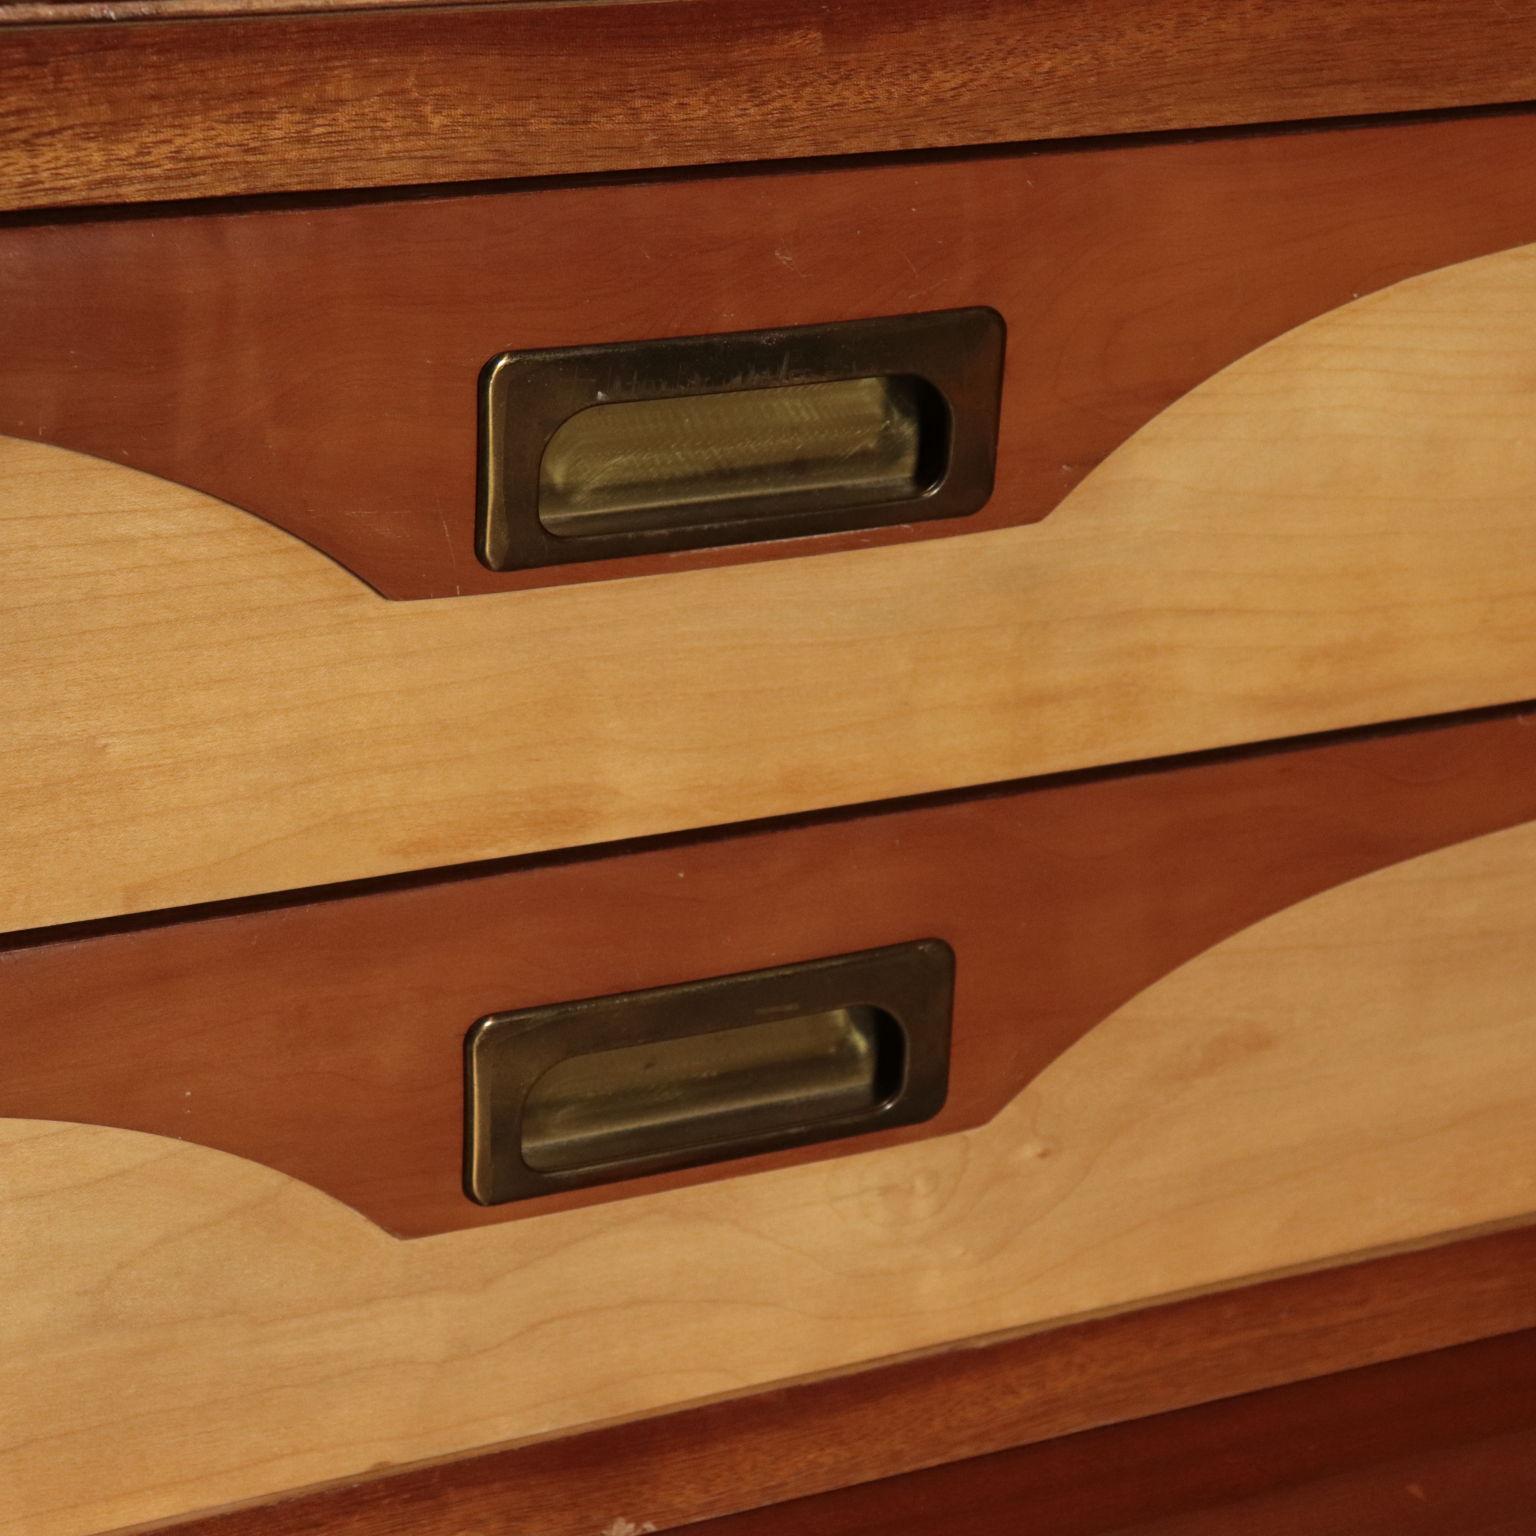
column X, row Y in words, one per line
column 318, row 366
column 384, row 98
column 1350, row 1076
column 802, row 1440
column 14, row 12
column 1061, row 901
column 1441, row 1444
column 1332, row 532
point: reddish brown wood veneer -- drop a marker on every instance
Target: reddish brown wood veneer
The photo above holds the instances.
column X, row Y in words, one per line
column 259, row 104
column 317, row 365
column 1442, row 1444
column 324, row 1038
column 1349, row 1435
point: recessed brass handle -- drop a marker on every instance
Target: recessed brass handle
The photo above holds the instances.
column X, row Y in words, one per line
column 611, row 1088
column 638, row 1101
column 644, row 447
column 647, row 465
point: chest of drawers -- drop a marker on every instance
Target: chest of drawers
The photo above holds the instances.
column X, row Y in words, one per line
column 992, row 896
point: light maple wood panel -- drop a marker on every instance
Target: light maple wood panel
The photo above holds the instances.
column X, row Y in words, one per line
column 1351, row 1075
column 1338, row 529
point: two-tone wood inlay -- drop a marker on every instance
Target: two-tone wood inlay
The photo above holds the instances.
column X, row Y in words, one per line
column 1216, row 1018
column 1352, row 1074
column 317, row 365
column 324, row 1038
column 1332, row 532
column 957, row 1405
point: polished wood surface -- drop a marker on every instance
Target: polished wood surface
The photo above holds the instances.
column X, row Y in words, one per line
column 785, row 1444
column 1333, row 531
column 1062, row 901
column 317, row 365
column 271, row 104
column 1351, row 1075
column 13, row 12
column 1443, row 1444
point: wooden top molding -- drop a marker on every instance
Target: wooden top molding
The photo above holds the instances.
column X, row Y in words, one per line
column 396, row 96
column 1335, row 531
column 14, row 11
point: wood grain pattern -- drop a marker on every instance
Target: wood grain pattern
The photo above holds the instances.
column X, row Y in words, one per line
column 1351, row 1075
column 1441, row 1443
column 318, row 365
column 13, row 12
column 821, row 1435
column 1332, row 532
column 1061, row 901
column 265, row 104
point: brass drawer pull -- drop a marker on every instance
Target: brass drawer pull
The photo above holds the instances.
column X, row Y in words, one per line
column 589, row 1092
column 643, row 447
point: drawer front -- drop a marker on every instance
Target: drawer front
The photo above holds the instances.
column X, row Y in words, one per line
column 1334, row 531
column 325, row 1038
column 318, row 365
column 1213, row 1020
